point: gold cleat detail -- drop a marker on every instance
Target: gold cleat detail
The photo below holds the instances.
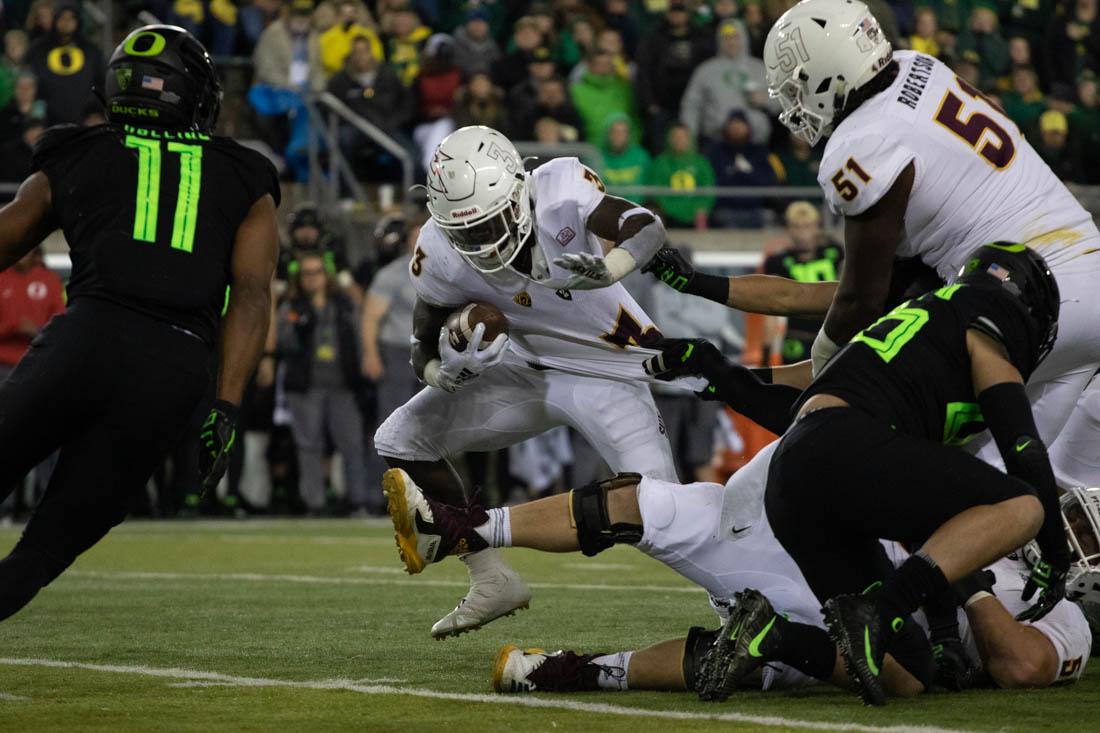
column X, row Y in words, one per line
column 404, row 525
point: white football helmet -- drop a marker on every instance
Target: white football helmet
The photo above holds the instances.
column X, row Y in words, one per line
column 1081, row 517
column 477, row 194
column 818, row 53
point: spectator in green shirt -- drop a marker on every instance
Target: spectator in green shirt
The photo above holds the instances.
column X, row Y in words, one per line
column 1025, row 102
column 624, row 162
column 1084, row 124
column 602, row 94
column 682, row 167
column 983, row 36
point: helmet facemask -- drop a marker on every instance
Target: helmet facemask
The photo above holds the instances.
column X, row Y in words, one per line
column 491, row 242
column 808, row 126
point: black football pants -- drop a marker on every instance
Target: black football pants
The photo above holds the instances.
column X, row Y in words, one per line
column 841, row 479
column 112, row 389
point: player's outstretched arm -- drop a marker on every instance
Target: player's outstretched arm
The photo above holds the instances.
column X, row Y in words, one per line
column 766, row 294
column 870, row 241
column 26, row 220
column 1007, row 411
column 1013, row 654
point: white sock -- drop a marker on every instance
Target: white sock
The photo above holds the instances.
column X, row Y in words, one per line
column 498, row 530
column 613, row 670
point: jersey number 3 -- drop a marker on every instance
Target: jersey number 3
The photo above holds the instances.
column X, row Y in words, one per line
column 147, row 204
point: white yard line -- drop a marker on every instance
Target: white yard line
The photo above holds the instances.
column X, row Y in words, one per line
column 344, row 580
column 215, row 678
column 8, row 697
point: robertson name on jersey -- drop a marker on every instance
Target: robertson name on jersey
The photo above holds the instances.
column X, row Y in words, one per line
column 976, row 179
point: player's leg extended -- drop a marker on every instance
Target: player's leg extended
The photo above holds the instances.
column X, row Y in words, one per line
column 143, row 401
column 505, row 405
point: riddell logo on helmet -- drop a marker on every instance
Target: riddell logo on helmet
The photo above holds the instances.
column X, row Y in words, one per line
column 465, row 212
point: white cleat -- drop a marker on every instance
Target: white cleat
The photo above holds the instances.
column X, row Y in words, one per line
column 514, row 667
column 496, row 590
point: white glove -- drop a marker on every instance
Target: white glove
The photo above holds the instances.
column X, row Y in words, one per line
column 456, row 368
column 591, row 272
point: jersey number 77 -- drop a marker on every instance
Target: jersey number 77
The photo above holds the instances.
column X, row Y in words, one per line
column 147, row 204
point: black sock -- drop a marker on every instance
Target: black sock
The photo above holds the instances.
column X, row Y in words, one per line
column 807, row 648
column 903, row 592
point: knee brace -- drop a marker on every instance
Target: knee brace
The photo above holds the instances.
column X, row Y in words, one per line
column 589, row 516
column 698, row 642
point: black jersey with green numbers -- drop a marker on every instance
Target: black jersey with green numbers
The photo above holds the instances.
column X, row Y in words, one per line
column 911, row 368
column 151, row 215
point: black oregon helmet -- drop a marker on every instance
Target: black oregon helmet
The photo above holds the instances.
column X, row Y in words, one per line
column 161, row 76
column 1023, row 274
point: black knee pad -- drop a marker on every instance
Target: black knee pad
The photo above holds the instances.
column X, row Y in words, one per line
column 698, row 641
column 589, row 516
column 911, row 649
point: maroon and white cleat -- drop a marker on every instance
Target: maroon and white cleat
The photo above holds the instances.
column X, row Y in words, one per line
column 535, row 670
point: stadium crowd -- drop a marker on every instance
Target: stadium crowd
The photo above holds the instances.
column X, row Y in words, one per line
column 670, row 93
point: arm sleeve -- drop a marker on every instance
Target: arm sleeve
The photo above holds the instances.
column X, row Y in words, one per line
column 768, row 405
column 1007, row 412
column 858, row 170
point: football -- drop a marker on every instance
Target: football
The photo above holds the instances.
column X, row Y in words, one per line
column 461, row 324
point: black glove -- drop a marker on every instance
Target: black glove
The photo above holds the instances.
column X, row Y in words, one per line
column 686, row 358
column 954, row 670
column 219, row 432
column 1049, row 578
column 671, row 268
column 965, row 587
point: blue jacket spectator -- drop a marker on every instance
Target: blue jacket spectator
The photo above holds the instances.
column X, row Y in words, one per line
column 737, row 161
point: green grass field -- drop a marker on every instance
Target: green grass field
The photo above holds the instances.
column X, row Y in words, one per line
column 312, row 625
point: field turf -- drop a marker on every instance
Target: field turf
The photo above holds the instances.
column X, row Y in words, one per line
column 312, row 625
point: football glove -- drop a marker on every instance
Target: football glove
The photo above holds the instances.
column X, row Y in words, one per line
column 1049, row 579
column 685, row 358
column 216, row 439
column 954, row 670
column 589, row 272
column 671, row 268
column 459, row 367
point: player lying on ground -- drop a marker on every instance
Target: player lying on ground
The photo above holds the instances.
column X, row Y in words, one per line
column 532, row 245
column 1006, row 294
column 920, row 163
column 996, row 648
column 161, row 216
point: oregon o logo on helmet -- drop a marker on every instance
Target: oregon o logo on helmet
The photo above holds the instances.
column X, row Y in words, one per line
column 156, row 44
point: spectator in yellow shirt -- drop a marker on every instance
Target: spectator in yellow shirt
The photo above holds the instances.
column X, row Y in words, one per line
column 354, row 21
column 923, row 39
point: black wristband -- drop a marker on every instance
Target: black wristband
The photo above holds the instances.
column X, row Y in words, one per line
column 227, row 408
column 764, row 374
column 711, row 287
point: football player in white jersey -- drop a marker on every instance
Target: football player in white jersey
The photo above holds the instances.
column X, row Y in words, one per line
column 548, row 249
column 694, row 529
column 920, row 163
column 998, row 650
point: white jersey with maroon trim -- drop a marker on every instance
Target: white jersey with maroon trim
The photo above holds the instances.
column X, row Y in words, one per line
column 976, row 179
column 587, row 332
